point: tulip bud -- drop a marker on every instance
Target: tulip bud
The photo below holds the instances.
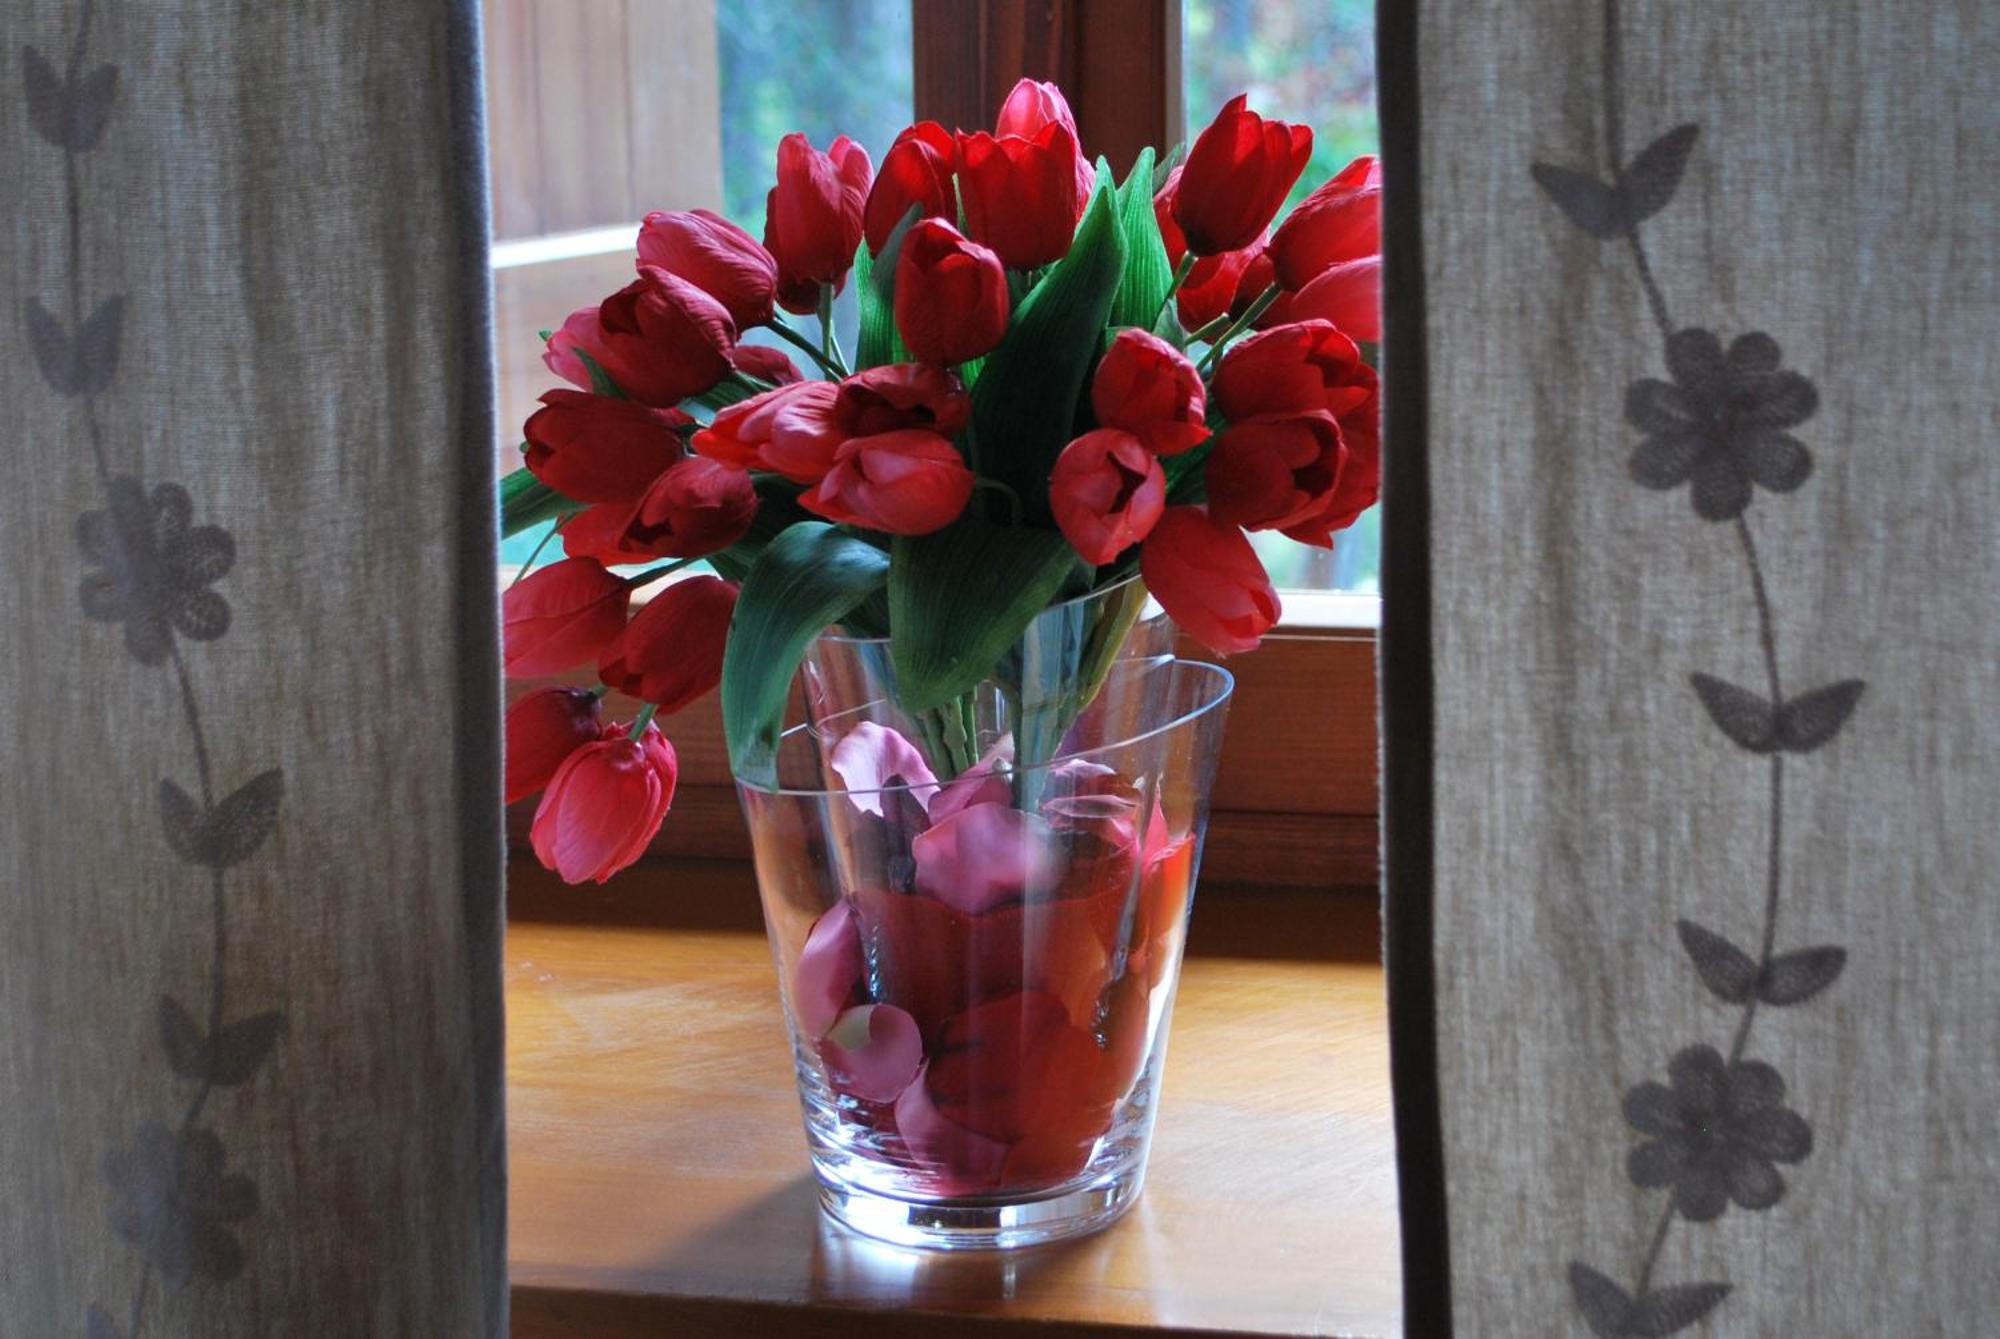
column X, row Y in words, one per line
column 1207, row 577
column 1107, row 491
column 1270, row 473
column 951, row 295
column 715, row 256
column 917, row 170
column 1149, row 388
column 812, row 217
column 660, row 339
column 604, row 806
column 560, row 616
column 543, row 728
column 1022, row 196
column 1337, row 223
column 596, row 448
column 906, row 482
column 671, row 652
column 1236, row 177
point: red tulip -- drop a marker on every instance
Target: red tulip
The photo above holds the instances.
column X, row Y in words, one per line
column 659, row 338
column 906, row 482
column 693, row 508
column 902, row 395
column 671, row 651
column 789, row 430
column 543, row 728
column 579, row 332
column 1337, row 223
column 1215, row 285
column 954, row 1160
column 1033, row 106
column 917, row 170
column 1107, row 491
column 1207, row 577
column 596, row 448
column 812, row 217
column 561, row 615
column 1292, row 369
column 1022, row 196
column 1271, row 473
column 604, row 805
column 1149, row 388
column 1348, row 294
column 1236, row 178
column 715, row 256
column 1359, row 486
column 951, row 295
column 765, row 363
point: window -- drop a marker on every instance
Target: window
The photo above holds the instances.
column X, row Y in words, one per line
column 679, row 104
column 1311, row 61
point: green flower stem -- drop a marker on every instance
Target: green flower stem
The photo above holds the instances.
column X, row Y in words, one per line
column 652, row 574
column 1237, row 327
column 830, row 342
column 641, row 721
column 1013, row 497
column 784, row 330
column 1208, row 332
column 1181, row 272
column 527, row 566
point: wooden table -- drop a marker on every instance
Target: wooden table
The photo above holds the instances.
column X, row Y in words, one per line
column 660, row 1183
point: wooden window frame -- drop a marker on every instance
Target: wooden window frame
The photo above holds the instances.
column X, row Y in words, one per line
column 1296, row 801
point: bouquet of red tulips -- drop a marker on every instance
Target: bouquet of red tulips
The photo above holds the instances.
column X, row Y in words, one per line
column 1061, row 381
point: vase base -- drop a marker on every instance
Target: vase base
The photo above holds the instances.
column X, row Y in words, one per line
column 1000, row 1226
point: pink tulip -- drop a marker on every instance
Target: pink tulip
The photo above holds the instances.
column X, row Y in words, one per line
column 985, row 782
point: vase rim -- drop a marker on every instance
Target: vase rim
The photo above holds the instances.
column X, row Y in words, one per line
column 1101, row 592
column 1221, row 685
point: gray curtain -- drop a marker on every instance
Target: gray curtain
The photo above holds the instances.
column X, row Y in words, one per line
column 249, row 825
column 1694, row 665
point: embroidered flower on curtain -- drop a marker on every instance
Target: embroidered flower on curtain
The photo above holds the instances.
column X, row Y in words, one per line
column 175, row 1203
column 1720, row 424
column 154, row 568
column 1715, row 1133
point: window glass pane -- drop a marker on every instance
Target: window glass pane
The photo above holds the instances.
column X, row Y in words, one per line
column 659, row 104
column 1311, row 61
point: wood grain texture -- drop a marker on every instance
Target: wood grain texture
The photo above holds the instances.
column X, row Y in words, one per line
column 660, row 1181
column 601, row 110
column 1294, row 802
column 1118, row 61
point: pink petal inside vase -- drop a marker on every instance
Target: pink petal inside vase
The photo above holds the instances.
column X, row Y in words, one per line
column 871, row 758
column 872, row 1052
column 959, row 1161
column 984, row 856
column 829, row 968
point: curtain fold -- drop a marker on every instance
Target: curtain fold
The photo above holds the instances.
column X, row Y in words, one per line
column 250, row 842
column 1692, row 663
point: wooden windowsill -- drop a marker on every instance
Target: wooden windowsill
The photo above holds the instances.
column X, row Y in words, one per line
column 660, row 1182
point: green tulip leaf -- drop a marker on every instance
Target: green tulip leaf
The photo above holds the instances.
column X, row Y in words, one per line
column 959, row 600
column 1148, row 272
column 526, row 502
column 807, row 577
column 1024, row 406
column 879, row 341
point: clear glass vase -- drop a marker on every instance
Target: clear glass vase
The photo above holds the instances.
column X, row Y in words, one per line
column 978, row 939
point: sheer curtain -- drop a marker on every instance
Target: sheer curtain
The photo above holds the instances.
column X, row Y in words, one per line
column 1693, row 664
column 249, row 829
